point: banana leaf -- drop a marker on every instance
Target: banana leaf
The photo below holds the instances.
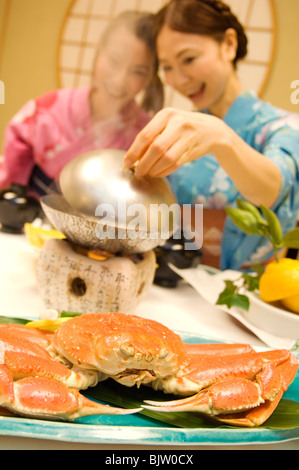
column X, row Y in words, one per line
column 15, row 321
column 286, row 415
column 112, row 393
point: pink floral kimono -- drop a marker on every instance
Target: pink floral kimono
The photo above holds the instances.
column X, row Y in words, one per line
column 53, row 129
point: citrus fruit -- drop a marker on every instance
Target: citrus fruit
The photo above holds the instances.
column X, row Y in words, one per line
column 280, row 280
column 48, row 325
column 37, row 236
column 291, row 303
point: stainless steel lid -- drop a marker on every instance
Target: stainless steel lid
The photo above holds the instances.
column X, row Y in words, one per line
column 96, row 184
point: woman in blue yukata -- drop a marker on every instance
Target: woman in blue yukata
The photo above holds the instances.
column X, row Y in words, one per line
column 236, row 146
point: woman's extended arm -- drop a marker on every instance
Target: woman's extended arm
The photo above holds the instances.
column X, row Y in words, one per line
column 257, row 177
column 175, row 137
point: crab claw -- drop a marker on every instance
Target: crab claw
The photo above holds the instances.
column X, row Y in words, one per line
column 238, row 401
column 226, row 396
column 45, row 398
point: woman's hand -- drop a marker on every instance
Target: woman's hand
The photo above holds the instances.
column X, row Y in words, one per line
column 172, row 138
column 175, row 137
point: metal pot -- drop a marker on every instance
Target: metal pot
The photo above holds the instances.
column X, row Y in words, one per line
column 85, row 230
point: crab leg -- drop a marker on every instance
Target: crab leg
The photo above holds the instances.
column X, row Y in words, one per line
column 233, row 397
column 228, row 395
column 217, row 349
column 23, row 365
column 41, row 397
column 23, row 352
column 203, row 370
column 258, row 416
column 39, row 337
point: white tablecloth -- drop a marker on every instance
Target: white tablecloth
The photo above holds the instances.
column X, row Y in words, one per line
column 181, row 309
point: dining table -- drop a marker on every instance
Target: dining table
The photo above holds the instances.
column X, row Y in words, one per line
column 180, row 308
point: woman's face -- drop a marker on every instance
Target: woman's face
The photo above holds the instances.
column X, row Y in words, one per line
column 196, row 66
column 123, row 68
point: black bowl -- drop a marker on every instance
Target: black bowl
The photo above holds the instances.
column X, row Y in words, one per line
column 175, row 252
column 16, row 209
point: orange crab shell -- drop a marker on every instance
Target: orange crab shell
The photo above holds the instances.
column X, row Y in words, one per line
column 33, row 384
column 35, row 336
column 114, row 343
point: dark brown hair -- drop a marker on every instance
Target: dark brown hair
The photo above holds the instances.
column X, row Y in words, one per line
column 141, row 24
column 206, row 17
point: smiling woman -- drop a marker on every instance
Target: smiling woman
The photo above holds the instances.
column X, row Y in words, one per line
column 123, row 66
column 54, row 128
column 198, row 55
column 86, row 17
column 235, row 146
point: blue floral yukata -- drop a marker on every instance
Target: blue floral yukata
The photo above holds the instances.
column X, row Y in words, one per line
column 272, row 132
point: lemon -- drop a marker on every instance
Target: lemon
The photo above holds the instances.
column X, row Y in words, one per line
column 37, row 236
column 291, row 303
column 280, row 280
column 48, row 325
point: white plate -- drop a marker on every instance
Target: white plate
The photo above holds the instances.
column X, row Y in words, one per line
column 275, row 320
column 276, row 327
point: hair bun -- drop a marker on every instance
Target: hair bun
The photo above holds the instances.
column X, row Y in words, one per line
column 206, row 17
column 217, row 5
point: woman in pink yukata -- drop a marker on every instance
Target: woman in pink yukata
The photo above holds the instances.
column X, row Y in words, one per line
column 53, row 129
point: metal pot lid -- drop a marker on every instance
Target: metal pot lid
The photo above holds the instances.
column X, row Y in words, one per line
column 96, row 184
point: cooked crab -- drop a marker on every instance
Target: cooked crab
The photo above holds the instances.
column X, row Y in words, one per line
column 232, row 383
column 33, row 384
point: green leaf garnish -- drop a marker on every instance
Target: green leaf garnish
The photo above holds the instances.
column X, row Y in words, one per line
column 64, row 314
column 263, row 222
column 291, row 239
column 251, row 282
column 13, row 321
column 229, row 298
column 233, row 293
column 274, row 228
column 246, row 221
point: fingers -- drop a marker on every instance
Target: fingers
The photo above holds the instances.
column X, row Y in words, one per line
column 176, row 157
column 171, row 139
column 145, row 138
column 174, row 147
column 171, row 160
column 161, row 154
